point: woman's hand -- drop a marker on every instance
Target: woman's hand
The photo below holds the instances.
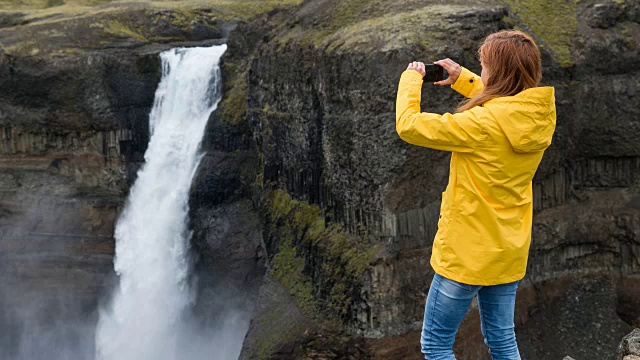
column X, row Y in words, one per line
column 452, row 68
column 417, row 66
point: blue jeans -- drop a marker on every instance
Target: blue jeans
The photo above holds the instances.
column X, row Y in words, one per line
column 447, row 303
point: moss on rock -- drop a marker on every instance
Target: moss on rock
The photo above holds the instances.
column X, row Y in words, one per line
column 233, row 107
column 117, row 28
column 387, row 32
column 303, row 238
column 26, row 48
column 555, row 22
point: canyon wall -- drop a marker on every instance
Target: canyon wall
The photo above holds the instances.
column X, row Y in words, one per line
column 306, row 198
column 76, row 88
column 349, row 211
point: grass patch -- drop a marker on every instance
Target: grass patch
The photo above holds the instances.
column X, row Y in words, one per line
column 228, row 9
column 29, row 4
column 183, row 17
column 554, row 21
column 65, row 52
column 247, row 9
column 26, row 48
column 225, row 9
column 116, row 28
column 46, row 4
column 424, row 26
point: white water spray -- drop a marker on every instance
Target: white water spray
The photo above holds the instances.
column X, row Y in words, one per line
column 146, row 319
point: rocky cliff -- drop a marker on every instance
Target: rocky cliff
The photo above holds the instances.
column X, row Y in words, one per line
column 306, row 198
column 349, row 211
column 77, row 81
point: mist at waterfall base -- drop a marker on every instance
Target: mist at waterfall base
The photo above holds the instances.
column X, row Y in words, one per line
column 149, row 316
column 158, row 307
column 39, row 319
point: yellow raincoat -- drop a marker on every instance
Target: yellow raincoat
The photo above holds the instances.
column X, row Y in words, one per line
column 484, row 230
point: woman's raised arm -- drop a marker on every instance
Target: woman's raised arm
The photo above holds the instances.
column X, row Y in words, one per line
column 460, row 132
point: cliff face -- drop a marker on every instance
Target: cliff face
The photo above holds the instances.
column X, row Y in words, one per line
column 306, row 197
column 73, row 135
column 76, row 86
column 318, row 93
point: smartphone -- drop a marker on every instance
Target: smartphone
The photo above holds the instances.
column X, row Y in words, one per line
column 434, row 73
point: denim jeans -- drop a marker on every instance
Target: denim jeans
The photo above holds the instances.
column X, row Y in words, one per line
column 447, row 303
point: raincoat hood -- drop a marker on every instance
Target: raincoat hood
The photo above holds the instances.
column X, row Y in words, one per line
column 528, row 119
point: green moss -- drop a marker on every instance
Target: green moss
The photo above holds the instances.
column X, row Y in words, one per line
column 280, row 329
column 63, row 52
column 30, row 4
column 233, row 106
column 184, row 16
column 554, row 21
column 627, row 30
column 511, row 22
column 247, row 9
column 42, row 4
column 52, row 3
column 289, row 221
column 298, row 225
column 288, row 269
column 347, row 11
column 381, row 33
column 116, row 28
column 67, row 51
column 25, row 48
column 366, row 25
column 229, row 8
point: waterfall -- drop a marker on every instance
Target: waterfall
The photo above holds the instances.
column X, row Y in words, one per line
column 146, row 318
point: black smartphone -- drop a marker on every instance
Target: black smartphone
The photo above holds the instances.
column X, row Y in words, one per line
column 434, row 73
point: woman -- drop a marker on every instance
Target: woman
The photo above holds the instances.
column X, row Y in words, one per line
column 497, row 138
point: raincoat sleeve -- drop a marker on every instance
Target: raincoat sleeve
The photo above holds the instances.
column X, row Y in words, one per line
column 468, row 84
column 460, row 132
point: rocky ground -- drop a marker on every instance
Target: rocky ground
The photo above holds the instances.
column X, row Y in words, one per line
column 586, row 311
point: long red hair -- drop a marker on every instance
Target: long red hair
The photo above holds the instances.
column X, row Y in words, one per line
column 513, row 61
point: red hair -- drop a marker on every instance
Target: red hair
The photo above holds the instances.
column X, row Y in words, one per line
column 513, row 61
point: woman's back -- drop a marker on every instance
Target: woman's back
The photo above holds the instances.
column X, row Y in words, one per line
column 497, row 138
column 486, row 213
column 484, row 230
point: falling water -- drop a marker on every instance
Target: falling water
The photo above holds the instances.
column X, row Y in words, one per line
column 146, row 319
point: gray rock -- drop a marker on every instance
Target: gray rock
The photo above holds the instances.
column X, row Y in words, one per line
column 630, row 346
column 604, row 15
column 319, row 103
column 11, row 19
